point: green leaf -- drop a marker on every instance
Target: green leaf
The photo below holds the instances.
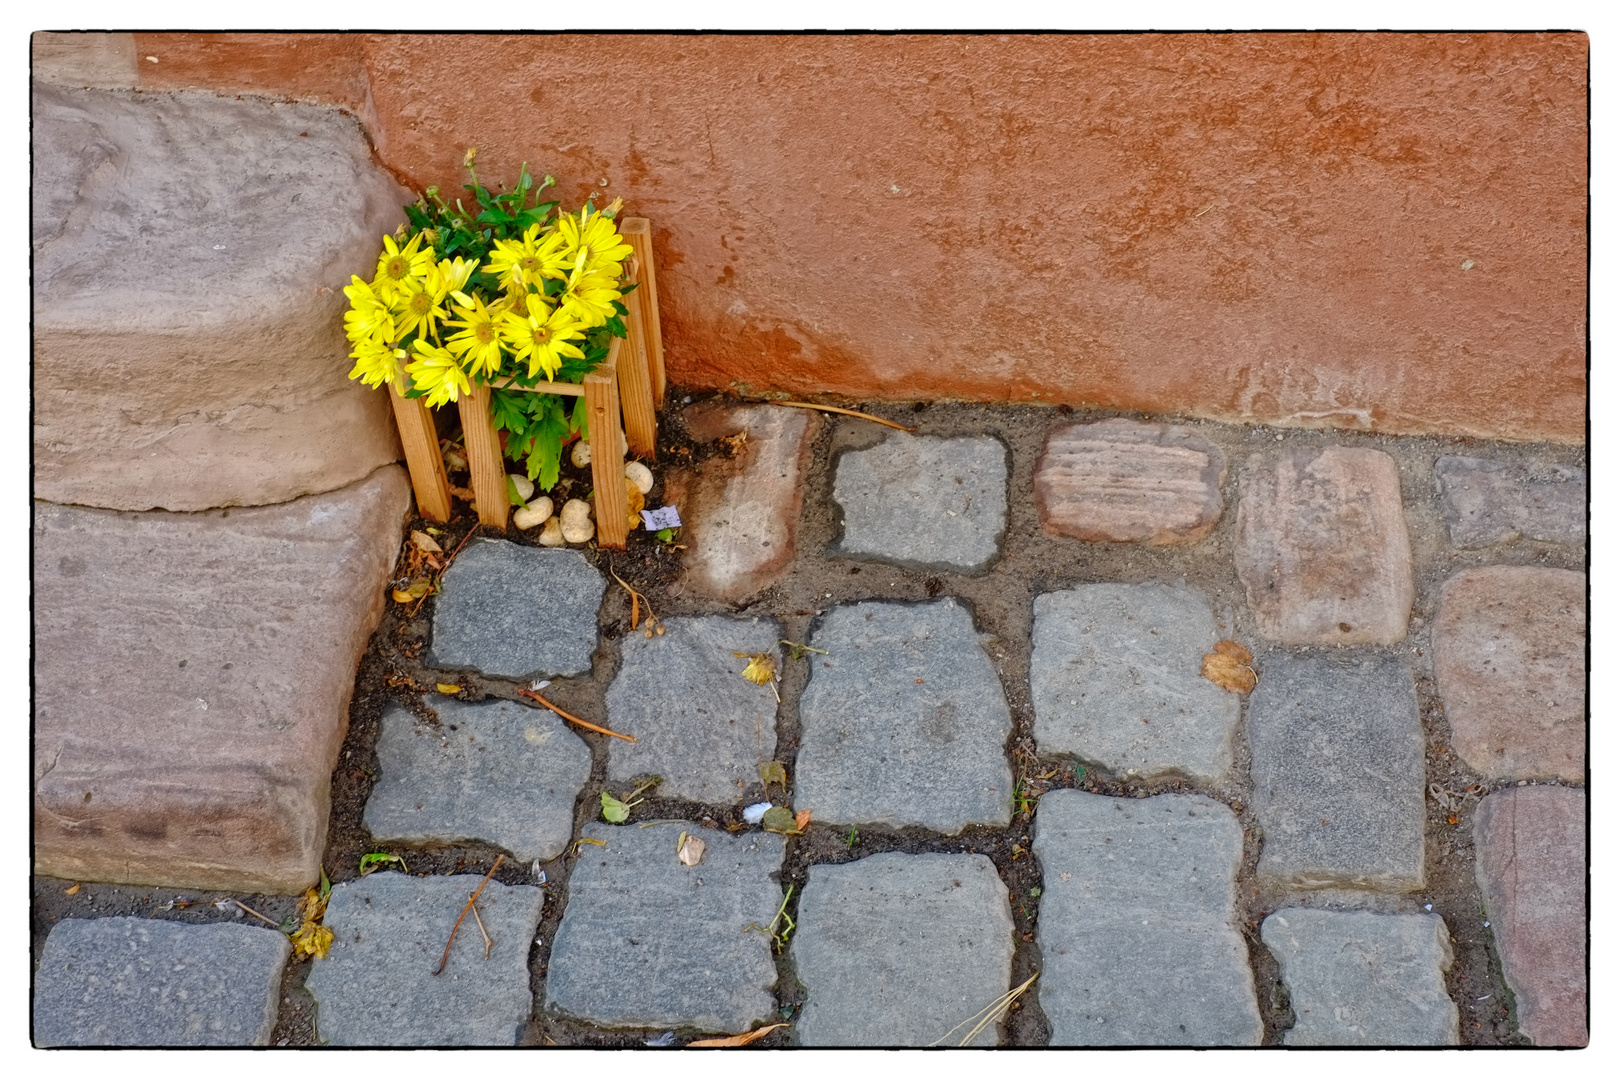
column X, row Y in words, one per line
column 615, row 811
column 512, row 496
column 371, row 862
column 778, row 819
column 665, row 535
column 507, row 411
column 773, row 772
column 579, row 419
column 326, row 886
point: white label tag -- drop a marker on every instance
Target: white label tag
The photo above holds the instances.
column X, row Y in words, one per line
column 665, row 517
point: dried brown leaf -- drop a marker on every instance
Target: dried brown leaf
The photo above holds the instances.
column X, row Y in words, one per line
column 1234, row 650
column 424, row 542
column 739, row 1040
column 1229, row 673
column 773, row 772
column 72, row 890
column 413, row 592
column 800, row 820
column 691, row 852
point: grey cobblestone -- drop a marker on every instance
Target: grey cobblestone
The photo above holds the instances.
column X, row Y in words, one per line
column 1337, row 767
column 647, row 941
column 899, row 950
column 1360, row 979
column 904, row 722
column 496, row 772
column 1487, row 502
column 1116, row 680
column 1137, row 936
column 144, row 982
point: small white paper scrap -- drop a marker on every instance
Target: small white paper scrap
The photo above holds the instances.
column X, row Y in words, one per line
column 665, row 517
column 756, row 813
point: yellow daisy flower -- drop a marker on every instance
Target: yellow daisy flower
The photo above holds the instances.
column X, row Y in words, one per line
column 419, row 303
column 368, row 315
column 396, row 264
column 437, row 372
column 523, row 263
column 542, row 336
column 589, row 296
column 376, row 362
column 456, row 272
column 479, row 341
column 595, row 235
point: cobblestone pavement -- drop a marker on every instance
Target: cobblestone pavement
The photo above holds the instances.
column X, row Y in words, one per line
column 990, row 638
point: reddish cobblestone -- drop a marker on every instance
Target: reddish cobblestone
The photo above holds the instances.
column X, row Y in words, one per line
column 1322, row 547
column 1124, row 480
column 1532, row 873
column 1510, row 660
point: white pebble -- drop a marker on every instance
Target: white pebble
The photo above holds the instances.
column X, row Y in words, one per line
column 551, row 535
column 527, row 517
column 581, row 455
column 576, row 521
column 639, row 475
column 525, row 486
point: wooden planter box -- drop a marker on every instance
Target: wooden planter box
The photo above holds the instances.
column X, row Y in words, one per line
column 623, row 395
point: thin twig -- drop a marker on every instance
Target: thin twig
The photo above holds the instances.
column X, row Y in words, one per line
column 845, row 412
column 445, row 959
column 571, row 718
column 636, row 600
column 255, row 914
column 488, row 944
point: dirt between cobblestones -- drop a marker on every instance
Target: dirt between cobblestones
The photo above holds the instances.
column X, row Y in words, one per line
column 1001, row 599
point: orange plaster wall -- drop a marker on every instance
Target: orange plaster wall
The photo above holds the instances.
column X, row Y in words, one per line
column 1382, row 231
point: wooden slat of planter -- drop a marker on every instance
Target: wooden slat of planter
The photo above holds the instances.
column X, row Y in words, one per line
column 607, row 451
column 484, row 457
column 638, row 232
column 563, row 388
column 421, row 441
column 635, row 380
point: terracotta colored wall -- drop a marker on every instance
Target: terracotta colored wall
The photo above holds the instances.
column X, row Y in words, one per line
column 1382, row 231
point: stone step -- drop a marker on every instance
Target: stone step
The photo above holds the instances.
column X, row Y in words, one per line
column 190, row 252
column 192, row 680
column 147, row 982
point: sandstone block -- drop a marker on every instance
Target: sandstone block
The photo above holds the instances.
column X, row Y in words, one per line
column 740, row 514
column 926, row 501
column 1360, row 979
column 1123, row 480
column 1116, row 679
column 1337, row 766
column 376, row 986
column 192, row 680
column 1510, row 661
column 494, row 772
column 698, row 723
column 648, row 941
column 1531, row 844
column 190, row 252
column 1138, row 940
column 897, row 950
column 146, row 982
column 904, row 721
column 1487, row 502
column 1322, row 547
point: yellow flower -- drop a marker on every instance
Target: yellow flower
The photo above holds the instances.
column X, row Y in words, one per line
column 542, row 336
column 456, row 272
column 595, row 235
column 479, row 342
column 419, row 303
column 396, row 264
column 376, row 362
column 368, row 316
column 523, row 263
column 589, row 297
column 437, row 372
